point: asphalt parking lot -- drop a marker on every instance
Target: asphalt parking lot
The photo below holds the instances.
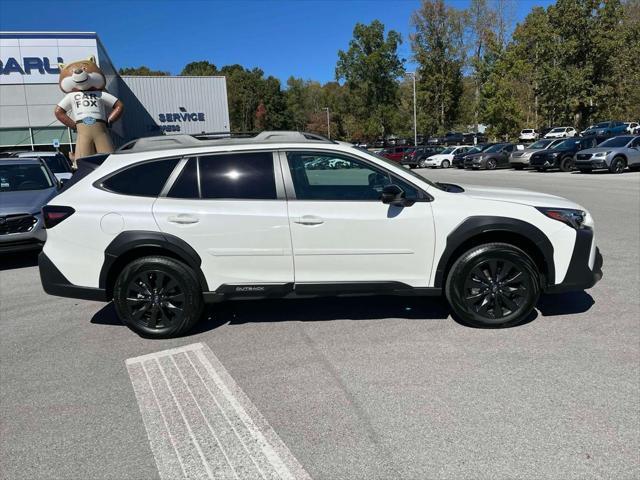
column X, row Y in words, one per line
column 371, row 387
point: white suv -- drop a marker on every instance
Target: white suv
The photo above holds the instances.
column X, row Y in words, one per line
column 167, row 224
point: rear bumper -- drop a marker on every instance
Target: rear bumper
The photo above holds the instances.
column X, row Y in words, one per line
column 580, row 276
column 55, row 283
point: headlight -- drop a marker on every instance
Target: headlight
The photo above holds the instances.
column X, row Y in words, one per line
column 573, row 218
column 601, row 154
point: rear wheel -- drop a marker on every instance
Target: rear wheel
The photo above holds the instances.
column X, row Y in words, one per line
column 493, row 285
column 445, row 164
column 566, row 164
column 158, row 297
column 618, row 165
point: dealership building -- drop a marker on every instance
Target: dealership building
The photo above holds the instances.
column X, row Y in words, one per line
column 29, row 92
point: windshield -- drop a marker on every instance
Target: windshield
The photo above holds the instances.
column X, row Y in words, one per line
column 540, row 144
column 14, row 178
column 495, row 148
column 474, row 150
column 394, row 166
column 447, row 150
column 616, row 142
column 568, row 143
column 601, row 125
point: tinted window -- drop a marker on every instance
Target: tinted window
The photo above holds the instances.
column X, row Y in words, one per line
column 635, row 143
column 186, row 186
column 616, row 142
column 239, row 175
column 145, row 179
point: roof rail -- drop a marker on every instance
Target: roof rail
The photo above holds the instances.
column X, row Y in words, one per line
column 163, row 142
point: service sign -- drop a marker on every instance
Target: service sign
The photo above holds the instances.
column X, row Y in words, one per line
column 34, row 58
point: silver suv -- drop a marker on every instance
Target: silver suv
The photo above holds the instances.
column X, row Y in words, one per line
column 614, row 154
column 26, row 184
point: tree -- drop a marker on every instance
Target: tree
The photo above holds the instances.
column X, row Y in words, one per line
column 370, row 69
column 201, row 68
column 142, row 71
column 439, row 50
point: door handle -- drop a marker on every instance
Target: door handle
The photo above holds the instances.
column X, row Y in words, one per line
column 309, row 220
column 183, row 219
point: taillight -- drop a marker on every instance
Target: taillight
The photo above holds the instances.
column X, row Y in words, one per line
column 53, row 215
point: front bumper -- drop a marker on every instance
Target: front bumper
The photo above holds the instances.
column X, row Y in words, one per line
column 543, row 163
column 55, row 283
column 23, row 241
column 593, row 163
column 580, row 275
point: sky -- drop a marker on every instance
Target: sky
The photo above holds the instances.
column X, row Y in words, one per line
column 282, row 37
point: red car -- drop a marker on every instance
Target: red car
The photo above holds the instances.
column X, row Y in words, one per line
column 395, row 153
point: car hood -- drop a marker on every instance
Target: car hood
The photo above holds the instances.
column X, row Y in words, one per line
column 601, row 149
column 28, row 201
column 438, row 156
column 517, row 195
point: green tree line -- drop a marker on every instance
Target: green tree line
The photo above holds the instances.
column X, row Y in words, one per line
column 575, row 62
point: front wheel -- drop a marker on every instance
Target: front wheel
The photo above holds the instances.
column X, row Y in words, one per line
column 158, row 297
column 493, row 285
column 491, row 164
column 617, row 165
column 445, row 164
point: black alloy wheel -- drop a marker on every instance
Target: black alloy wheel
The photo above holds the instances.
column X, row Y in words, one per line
column 158, row 297
column 493, row 285
column 617, row 165
column 566, row 164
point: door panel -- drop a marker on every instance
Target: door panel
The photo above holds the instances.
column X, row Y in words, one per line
column 342, row 232
column 240, row 240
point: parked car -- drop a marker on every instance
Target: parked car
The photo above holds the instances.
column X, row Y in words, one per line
column 631, row 127
column 614, row 154
column 26, row 184
column 192, row 233
column 607, row 129
column 444, row 158
column 458, row 159
column 395, row 153
column 56, row 162
column 543, row 131
column 519, row 159
column 496, row 156
column 474, row 138
column 412, row 157
column 561, row 132
column 528, row 135
column 561, row 156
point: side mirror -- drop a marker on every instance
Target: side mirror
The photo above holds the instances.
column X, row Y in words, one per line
column 393, row 195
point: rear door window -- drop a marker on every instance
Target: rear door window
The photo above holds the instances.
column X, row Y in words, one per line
column 248, row 176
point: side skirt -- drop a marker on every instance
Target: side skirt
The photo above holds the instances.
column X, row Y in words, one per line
column 309, row 290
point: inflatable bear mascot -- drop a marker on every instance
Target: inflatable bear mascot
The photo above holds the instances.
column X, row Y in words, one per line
column 84, row 83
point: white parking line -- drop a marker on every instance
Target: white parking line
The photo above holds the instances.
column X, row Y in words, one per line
column 200, row 423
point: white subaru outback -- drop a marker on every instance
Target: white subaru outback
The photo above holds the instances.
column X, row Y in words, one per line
column 167, row 224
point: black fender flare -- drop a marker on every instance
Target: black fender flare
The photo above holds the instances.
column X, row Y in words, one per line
column 131, row 240
column 479, row 225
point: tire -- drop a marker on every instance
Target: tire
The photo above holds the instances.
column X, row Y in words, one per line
column 421, row 164
column 618, row 164
column 566, row 164
column 171, row 311
column 445, row 164
column 491, row 164
column 493, row 285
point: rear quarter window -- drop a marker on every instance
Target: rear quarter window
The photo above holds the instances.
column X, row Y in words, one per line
column 143, row 180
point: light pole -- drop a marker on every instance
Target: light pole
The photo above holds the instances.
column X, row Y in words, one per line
column 328, row 123
column 415, row 122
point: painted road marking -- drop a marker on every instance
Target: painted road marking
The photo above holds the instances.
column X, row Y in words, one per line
column 200, row 423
